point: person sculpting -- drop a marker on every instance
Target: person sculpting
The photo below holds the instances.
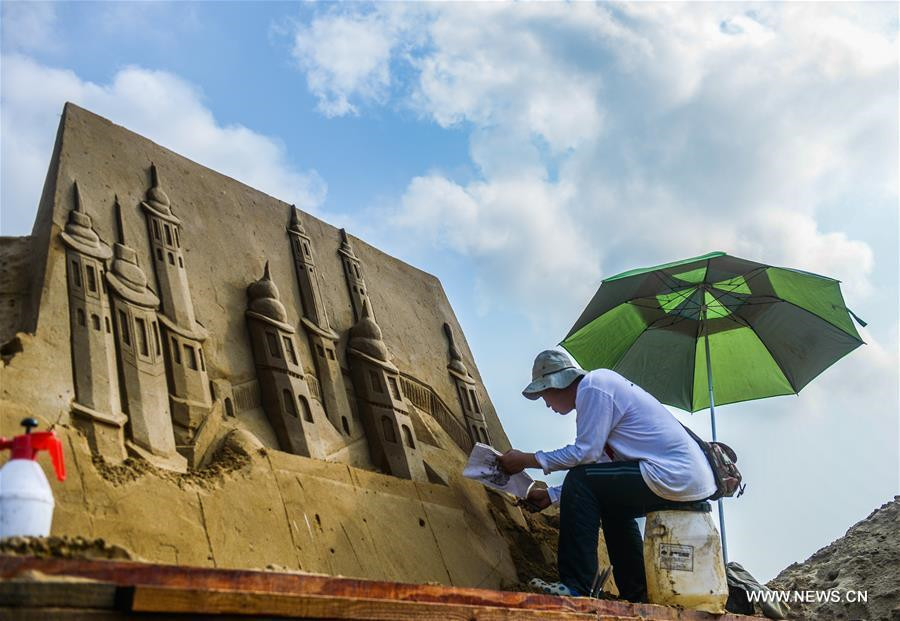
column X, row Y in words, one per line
column 630, row 457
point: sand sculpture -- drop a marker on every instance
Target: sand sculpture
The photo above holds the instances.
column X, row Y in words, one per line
column 241, row 384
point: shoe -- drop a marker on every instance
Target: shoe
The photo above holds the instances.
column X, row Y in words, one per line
column 552, row 588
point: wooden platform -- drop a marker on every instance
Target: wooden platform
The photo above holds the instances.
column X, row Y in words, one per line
column 94, row 590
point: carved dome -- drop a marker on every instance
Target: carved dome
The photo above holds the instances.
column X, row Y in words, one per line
column 456, row 362
column 79, row 231
column 156, row 197
column 263, row 296
column 365, row 336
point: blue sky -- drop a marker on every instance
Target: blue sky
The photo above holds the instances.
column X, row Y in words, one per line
column 520, row 152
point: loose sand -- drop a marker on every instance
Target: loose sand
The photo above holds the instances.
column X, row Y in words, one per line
column 866, row 559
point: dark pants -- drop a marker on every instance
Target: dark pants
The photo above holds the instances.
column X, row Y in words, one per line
column 611, row 494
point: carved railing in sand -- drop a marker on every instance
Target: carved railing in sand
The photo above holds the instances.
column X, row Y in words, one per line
column 424, row 398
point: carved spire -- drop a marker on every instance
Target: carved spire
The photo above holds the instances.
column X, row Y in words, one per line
column 296, row 225
column 120, row 222
column 456, row 361
column 345, row 243
column 126, row 275
column 156, row 197
column 78, row 206
column 264, row 297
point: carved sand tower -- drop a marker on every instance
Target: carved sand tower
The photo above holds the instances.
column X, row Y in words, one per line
column 322, row 339
column 183, row 336
column 285, row 394
column 384, row 412
column 465, row 389
column 353, row 274
column 141, row 365
column 97, row 408
column 389, row 429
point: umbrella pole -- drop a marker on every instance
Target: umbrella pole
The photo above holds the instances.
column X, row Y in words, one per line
column 712, row 416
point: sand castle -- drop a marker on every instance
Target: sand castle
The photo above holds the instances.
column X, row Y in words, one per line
column 240, row 384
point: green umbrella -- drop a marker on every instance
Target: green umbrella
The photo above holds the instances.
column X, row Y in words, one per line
column 715, row 329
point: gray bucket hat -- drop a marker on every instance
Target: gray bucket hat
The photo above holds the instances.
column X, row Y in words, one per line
column 552, row 369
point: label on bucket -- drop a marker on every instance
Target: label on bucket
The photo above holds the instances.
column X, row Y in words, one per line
column 674, row 556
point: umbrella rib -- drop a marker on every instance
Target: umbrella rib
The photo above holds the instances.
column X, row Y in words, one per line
column 672, row 288
column 725, row 292
column 777, row 362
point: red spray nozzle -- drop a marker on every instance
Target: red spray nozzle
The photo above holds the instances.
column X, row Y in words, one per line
column 27, row 446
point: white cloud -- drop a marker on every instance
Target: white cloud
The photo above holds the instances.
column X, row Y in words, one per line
column 156, row 104
column 517, row 229
column 730, row 124
column 29, row 26
column 348, row 56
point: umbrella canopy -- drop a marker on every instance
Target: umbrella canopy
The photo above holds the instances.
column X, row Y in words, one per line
column 770, row 330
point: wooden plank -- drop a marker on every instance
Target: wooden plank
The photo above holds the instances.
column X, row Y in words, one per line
column 93, row 614
column 126, row 573
column 62, row 614
column 63, row 594
column 195, row 601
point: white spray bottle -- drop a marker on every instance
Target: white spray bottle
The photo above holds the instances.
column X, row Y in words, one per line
column 26, row 501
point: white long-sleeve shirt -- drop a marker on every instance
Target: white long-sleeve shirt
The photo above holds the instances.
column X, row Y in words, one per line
column 611, row 410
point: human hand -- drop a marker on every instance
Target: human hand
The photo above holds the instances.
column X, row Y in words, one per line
column 538, row 499
column 514, row 462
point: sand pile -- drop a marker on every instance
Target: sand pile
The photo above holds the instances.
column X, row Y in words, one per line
column 866, row 559
column 64, row 547
column 233, row 455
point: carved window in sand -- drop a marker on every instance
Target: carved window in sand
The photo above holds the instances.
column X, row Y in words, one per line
column 176, row 351
column 168, row 234
column 76, row 275
column 80, row 313
column 289, row 348
column 141, row 336
column 156, row 339
column 387, row 428
column 395, row 389
column 462, row 397
column 95, row 322
column 190, row 357
column 474, row 399
column 272, row 341
column 376, row 382
column 307, row 412
column 289, row 407
column 91, row 278
column 407, row 436
column 123, row 327
column 156, row 230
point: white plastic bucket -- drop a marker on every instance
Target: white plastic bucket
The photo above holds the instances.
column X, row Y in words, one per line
column 683, row 561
